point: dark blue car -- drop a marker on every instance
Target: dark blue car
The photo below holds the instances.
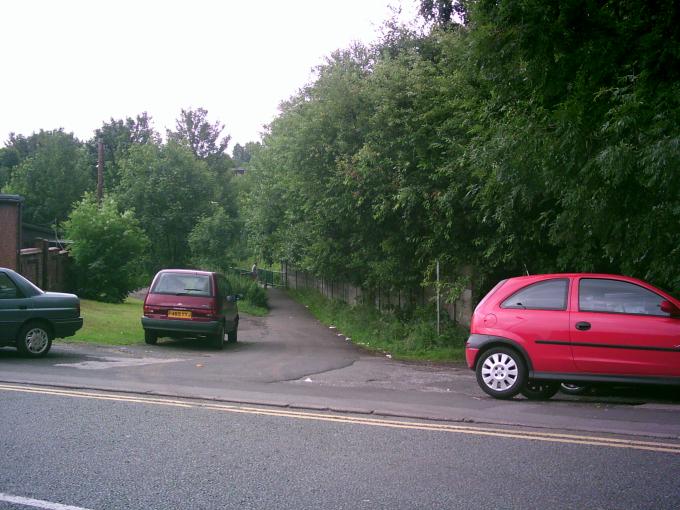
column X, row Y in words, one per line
column 31, row 318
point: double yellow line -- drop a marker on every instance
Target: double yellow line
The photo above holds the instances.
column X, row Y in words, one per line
column 550, row 437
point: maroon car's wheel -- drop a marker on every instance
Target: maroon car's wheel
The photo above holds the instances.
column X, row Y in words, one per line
column 232, row 336
column 501, row 372
column 218, row 339
column 34, row 340
column 150, row 337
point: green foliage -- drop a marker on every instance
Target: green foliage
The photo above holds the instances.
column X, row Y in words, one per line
column 118, row 137
column 51, row 176
column 181, row 192
column 214, row 240
column 205, row 140
column 170, row 191
column 537, row 136
column 108, row 250
column 9, row 158
column 250, row 290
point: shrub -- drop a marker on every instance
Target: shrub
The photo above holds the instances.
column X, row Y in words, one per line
column 108, row 250
column 250, row 290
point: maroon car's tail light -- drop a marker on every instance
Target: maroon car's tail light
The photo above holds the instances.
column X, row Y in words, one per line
column 210, row 313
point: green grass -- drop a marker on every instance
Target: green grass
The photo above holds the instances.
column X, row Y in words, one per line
column 111, row 324
column 411, row 338
column 120, row 324
column 250, row 309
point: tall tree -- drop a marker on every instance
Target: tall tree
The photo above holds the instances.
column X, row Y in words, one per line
column 240, row 154
column 52, row 177
column 204, row 139
column 169, row 190
column 118, row 136
column 443, row 12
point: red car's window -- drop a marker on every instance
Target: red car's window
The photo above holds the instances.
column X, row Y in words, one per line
column 183, row 284
column 614, row 296
column 545, row 295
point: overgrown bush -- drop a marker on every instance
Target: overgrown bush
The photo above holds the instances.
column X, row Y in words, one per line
column 108, row 250
column 250, row 290
column 213, row 240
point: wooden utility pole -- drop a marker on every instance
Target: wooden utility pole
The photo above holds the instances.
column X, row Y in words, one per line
column 438, row 314
column 100, row 171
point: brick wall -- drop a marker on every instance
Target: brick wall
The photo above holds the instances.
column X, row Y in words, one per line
column 10, row 230
column 44, row 266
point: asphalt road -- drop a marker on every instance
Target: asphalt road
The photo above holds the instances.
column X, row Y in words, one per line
column 110, row 451
column 289, row 359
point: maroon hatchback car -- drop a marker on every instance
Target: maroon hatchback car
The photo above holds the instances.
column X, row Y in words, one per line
column 184, row 303
column 531, row 333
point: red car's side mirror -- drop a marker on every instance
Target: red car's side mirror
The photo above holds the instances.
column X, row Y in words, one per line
column 670, row 308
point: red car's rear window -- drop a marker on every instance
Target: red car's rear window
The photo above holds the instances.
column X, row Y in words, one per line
column 182, row 284
column 489, row 294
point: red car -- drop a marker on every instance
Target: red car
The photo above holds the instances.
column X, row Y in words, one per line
column 184, row 303
column 531, row 333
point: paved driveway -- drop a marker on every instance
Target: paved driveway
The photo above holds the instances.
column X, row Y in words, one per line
column 290, row 359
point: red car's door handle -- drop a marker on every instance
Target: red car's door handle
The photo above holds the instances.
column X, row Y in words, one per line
column 583, row 326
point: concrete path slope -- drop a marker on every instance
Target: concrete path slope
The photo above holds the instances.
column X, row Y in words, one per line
column 289, row 359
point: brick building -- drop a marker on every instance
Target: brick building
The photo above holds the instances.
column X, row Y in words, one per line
column 10, row 231
column 41, row 263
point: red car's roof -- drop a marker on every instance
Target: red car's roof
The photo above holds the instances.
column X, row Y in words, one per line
column 573, row 275
column 538, row 277
column 191, row 271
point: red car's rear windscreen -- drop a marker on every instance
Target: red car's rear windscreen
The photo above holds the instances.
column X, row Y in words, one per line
column 180, row 284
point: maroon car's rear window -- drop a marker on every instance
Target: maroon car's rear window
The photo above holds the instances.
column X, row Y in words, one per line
column 182, row 284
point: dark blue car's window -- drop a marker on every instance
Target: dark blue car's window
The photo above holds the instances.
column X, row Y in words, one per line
column 180, row 284
column 615, row 296
column 545, row 295
column 7, row 288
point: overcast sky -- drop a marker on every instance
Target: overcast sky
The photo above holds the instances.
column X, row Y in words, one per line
column 77, row 63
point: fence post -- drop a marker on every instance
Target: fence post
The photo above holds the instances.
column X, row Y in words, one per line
column 44, row 246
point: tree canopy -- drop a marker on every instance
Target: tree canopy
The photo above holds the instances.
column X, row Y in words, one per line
column 510, row 136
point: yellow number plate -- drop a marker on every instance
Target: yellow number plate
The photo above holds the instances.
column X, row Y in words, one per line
column 179, row 314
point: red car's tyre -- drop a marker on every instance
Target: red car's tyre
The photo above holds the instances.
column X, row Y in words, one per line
column 539, row 390
column 501, row 372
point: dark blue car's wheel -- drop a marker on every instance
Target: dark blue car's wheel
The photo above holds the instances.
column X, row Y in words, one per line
column 34, row 340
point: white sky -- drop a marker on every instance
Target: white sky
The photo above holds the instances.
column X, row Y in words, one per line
column 77, row 63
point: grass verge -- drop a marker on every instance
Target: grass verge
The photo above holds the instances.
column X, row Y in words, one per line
column 412, row 338
column 110, row 324
column 120, row 324
column 250, row 309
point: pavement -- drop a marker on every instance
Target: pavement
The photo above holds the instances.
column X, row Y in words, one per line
column 289, row 359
